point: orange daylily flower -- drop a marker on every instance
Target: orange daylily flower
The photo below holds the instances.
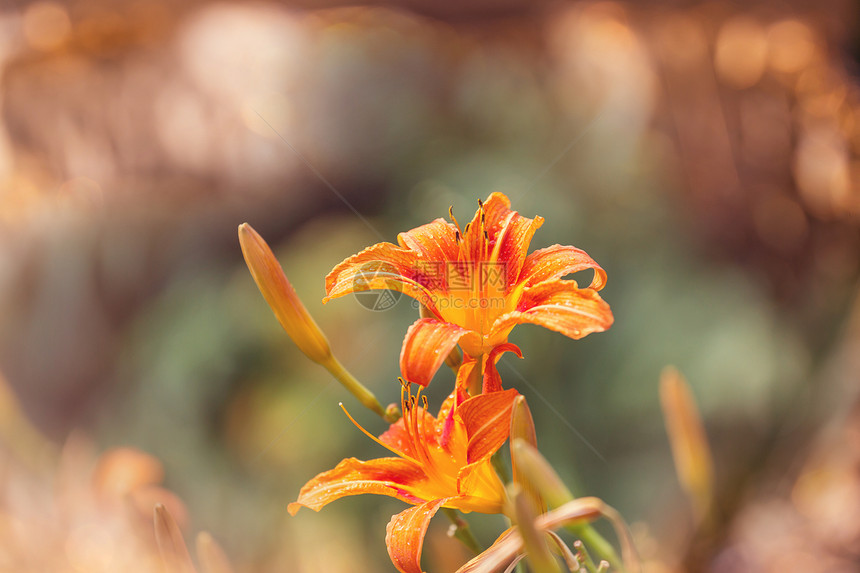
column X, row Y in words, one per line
column 477, row 283
column 441, row 462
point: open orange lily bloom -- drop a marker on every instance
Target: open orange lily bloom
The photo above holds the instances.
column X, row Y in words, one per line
column 477, row 282
column 441, row 462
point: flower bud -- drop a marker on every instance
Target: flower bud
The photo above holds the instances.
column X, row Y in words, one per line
column 281, row 296
column 523, row 428
column 690, row 449
column 294, row 317
column 536, row 471
column 538, row 555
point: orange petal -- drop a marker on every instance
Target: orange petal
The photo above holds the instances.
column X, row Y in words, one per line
column 492, row 379
column 434, row 242
column 379, row 267
column 512, row 244
column 394, row 477
column 444, row 410
column 399, row 439
column 447, row 433
column 561, row 306
column 404, row 535
column 507, row 238
column 498, row 556
column 465, row 375
column 480, row 488
column 428, row 342
column 476, row 245
column 490, row 218
column 487, row 418
column 557, row 261
column 497, row 208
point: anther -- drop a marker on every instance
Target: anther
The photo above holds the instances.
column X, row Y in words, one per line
column 486, row 236
column 424, row 401
column 453, row 218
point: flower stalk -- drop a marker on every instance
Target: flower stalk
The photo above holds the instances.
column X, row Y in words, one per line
column 461, row 531
column 359, row 390
column 523, row 428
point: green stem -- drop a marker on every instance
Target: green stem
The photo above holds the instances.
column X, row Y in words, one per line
column 462, row 531
column 359, row 390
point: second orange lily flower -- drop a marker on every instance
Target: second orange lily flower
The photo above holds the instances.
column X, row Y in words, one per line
column 440, row 462
column 477, row 283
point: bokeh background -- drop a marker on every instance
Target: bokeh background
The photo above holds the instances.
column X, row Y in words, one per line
column 707, row 155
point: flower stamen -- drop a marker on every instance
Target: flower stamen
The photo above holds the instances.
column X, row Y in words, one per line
column 374, row 438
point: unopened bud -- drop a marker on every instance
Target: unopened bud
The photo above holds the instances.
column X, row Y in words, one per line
column 538, row 555
column 690, row 449
column 523, row 428
column 538, row 473
column 294, row 317
column 281, row 296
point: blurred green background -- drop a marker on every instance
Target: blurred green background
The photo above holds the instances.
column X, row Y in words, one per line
column 706, row 155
